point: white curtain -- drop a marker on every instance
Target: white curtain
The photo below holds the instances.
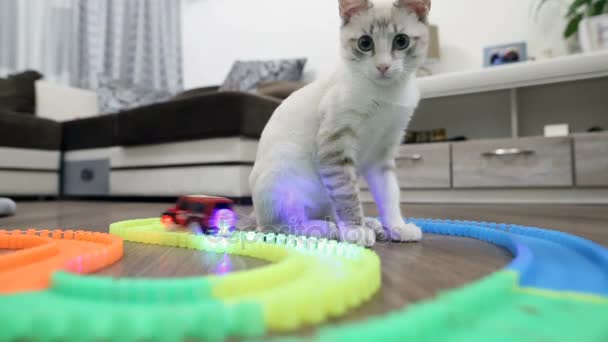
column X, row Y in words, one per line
column 138, row 41
column 39, row 35
column 77, row 41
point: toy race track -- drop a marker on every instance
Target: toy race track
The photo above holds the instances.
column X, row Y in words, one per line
column 554, row 277
column 40, row 253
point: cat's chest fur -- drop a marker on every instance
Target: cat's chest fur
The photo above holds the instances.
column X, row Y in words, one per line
column 381, row 130
column 378, row 117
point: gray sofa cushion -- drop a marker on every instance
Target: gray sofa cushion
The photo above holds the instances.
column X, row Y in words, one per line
column 27, row 131
column 94, row 132
column 247, row 75
column 115, row 96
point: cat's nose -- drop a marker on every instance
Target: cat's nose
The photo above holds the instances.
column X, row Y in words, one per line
column 383, row 68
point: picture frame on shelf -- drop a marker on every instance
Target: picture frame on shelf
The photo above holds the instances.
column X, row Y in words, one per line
column 505, row 54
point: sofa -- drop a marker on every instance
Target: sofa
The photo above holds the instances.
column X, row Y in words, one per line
column 201, row 141
column 30, row 146
column 200, row 144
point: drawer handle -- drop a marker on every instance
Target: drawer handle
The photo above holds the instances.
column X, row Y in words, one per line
column 413, row 157
column 503, row 152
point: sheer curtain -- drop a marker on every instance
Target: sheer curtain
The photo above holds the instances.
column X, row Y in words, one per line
column 39, row 35
column 77, row 41
column 138, row 41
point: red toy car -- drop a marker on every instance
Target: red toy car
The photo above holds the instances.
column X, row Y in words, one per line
column 202, row 214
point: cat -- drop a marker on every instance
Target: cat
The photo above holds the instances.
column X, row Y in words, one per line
column 327, row 134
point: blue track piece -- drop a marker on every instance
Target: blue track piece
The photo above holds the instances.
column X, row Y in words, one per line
column 544, row 259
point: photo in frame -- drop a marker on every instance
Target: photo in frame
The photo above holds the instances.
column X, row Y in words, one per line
column 505, row 54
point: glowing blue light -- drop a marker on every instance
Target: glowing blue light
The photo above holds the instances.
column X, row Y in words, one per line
column 217, row 244
column 259, row 237
column 351, row 251
column 301, row 242
column 225, row 266
column 292, row 241
column 224, row 220
column 341, row 249
column 270, row 238
column 224, row 244
column 332, row 246
column 312, row 243
column 322, row 245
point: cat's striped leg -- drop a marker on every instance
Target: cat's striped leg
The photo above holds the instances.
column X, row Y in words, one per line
column 336, row 160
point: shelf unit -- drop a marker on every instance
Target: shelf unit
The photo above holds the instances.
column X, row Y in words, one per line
column 517, row 100
column 507, row 107
column 512, row 76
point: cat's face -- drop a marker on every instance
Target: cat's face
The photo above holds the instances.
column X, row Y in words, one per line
column 384, row 40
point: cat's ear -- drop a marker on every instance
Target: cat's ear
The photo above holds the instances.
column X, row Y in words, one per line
column 349, row 8
column 420, row 7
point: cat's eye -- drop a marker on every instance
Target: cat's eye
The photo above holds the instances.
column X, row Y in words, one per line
column 366, row 43
column 401, row 42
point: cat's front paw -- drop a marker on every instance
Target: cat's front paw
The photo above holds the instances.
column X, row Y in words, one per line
column 405, row 232
column 358, row 235
column 373, row 224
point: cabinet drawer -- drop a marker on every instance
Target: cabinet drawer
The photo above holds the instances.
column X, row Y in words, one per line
column 591, row 155
column 528, row 162
column 424, row 166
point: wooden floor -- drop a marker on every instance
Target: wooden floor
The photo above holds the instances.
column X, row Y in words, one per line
column 411, row 272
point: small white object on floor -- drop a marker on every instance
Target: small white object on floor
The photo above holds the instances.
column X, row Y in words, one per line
column 7, row 207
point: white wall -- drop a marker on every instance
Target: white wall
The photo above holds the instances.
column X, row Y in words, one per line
column 217, row 32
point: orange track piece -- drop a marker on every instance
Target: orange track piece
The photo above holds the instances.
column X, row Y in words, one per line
column 42, row 252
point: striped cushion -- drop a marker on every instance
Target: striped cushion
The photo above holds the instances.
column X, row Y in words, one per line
column 247, row 75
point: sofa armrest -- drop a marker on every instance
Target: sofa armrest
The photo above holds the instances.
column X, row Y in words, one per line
column 62, row 103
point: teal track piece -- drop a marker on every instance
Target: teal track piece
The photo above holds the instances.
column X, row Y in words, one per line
column 47, row 316
column 131, row 290
column 545, row 259
column 560, row 268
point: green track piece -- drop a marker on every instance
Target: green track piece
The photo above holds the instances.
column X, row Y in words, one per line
column 131, row 290
column 494, row 309
column 98, row 309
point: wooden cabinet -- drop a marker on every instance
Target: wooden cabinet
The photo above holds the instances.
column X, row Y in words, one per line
column 424, row 166
column 591, row 159
column 528, row 162
column 558, row 170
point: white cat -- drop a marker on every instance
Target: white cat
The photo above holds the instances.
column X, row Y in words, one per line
column 325, row 135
